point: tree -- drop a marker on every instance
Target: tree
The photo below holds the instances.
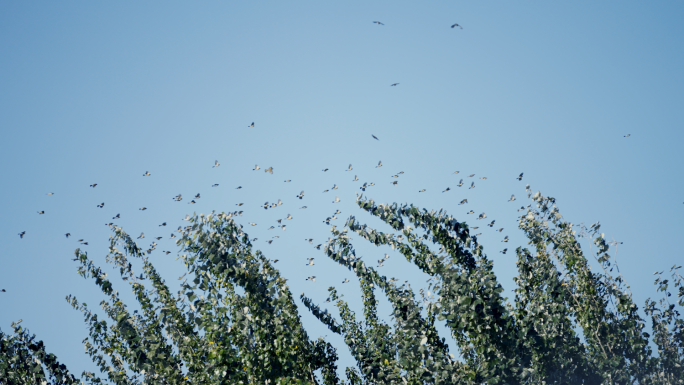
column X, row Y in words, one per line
column 237, row 322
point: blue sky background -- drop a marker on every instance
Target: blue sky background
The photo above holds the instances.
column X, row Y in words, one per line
column 100, row 92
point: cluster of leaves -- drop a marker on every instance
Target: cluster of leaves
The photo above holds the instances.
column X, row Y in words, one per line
column 237, row 322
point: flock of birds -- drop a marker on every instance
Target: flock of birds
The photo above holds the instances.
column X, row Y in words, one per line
column 281, row 224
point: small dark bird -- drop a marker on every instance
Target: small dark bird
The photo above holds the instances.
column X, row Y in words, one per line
column 394, row 84
column 456, row 25
column 85, row 243
column 215, row 185
column 163, row 224
column 378, row 23
column 447, row 189
column 197, row 196
column 251, row 125
column 93, row 185
column 21, row 235
column 41, row 212
column 325, row 169
column 503, row 251
column 375, row 137
column 3, row 291
column 142, row 208
column 101, row 205
column 394, row 183
column 519, row 176
column 158, row 238
column 192, row 202
column 423, row 190
column 117, row 216
column 147, row 173
column 491, row 224
column 238, row 187
column 67, row 235
column 463, row 202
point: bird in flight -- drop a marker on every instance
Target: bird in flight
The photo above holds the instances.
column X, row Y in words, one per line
column 500, row 230
column 356, row 178
column 472, row 185
column 628, row 135
column 251, row 125
column 463, row 202
column 394, row 84
column 216, row 163
column 101, row 205
column 325, row 169
column 512, row 198
column 93, row 185
column 50, row 193
column 456, row 25
column 178, row 198
column 142, row 208
column 301, row 195
column 163, row 224
column 147, row 173
column 375, row 137
column 378, row 23
column 21, row 235
column 197, row 196
column 142, row 235
column 337, row 200
column 423, row 190
column 456, row 172
column 312, row 278
column 67, row 235
column 255, row 168
column 270, row 169
column 379, row 164
column 394, row 183
column 350, row 167
column 118, row 216
column 519, row 176
column 288, row 181
column 41, row 212
column 215, row 185
column 505, row 239
column 345, row 280
column 503, row 251
column 447, row 189
column 460, row 183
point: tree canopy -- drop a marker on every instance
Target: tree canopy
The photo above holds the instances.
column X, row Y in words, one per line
column 236, row 321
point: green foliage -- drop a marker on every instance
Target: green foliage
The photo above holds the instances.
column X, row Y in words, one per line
column 236, row 321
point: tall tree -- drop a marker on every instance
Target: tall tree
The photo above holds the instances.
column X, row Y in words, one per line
column 236, row 320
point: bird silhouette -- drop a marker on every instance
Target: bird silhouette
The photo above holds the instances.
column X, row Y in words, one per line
column 216, row 164
column 378, row 23
column 519, row 176
column 93, row 185
column 251, row 125
column 350, row 167
column 50, row 193
column 255, row 168
column 379, row 164
column 270, row 169
column 147, row 173
column 447, row 189
column 375, row 137
column 101, row 205
column 456, row 25
column 21, row 235
column 394, row 84
column 67, row 235
column 41, row 212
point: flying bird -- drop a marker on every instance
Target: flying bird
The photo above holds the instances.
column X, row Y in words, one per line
column 460, row 183
column 500, row 230
column 288, row 181
column 118, row 216
column 492, row 224
column 215, row 185
column 325, row 169
column 345, row 280
column 379, row 164
column 337, row 200
column 503, row 251
column 378, row 23
column 147, row 173
column 394, row 183
column 482, row 216
column 423, row 190
column 375, row 137
column 142, row 208
column 356, row 178
column 93, row 185
column 67, row 235
column 270, row 169
column 255, row 168
column 101, row 205
column 628, row 135
column 456, row 25
column 50, row 193
column 21, row 235
column 301, row 195
column 463, row 202
column 238, row 187
column 163, row 224
column 216, row 163
column 197, row 196
column 520, row 176
column 512, row 198
column 394, row 84
column 472, row 185
column 142, row 235
column 447, row 189
column 251, row 125
column 312, row 278
column 350, row 167
column 41, row 212
column 505, row 239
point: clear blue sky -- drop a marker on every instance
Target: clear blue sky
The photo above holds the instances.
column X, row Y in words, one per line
column 100, row 92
